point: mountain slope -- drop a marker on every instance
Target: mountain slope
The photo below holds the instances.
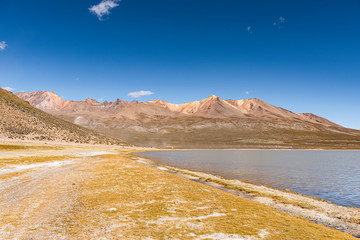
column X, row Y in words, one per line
column 19, row 120
column 212, row 122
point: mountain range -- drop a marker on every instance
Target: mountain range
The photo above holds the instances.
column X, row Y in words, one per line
column 209, row 123
column 20, row 120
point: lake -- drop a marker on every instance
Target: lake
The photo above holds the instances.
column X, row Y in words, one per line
column 332, row 175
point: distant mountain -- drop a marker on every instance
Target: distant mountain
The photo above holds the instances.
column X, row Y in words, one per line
column 212, row 122
column 20, row 120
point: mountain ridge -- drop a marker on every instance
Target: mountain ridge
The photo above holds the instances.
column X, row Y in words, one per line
column 211, row 122
column 253, row 106
column 20, row 120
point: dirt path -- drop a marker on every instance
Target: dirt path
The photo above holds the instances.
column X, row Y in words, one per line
column 35, row 203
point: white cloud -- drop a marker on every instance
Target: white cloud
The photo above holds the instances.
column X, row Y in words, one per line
column 249, row 29
column 140, row 94
column 10, row 89
column 104, row 7
column 279, row 22
column 247, row 93
column 281, row 19
column 3, row 45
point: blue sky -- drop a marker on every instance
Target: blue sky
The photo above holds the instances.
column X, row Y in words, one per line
column 300, row 55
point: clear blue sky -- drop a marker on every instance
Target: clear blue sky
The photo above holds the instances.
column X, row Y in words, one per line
column 300, row 55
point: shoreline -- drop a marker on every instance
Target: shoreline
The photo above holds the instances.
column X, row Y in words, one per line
column 345, row 219
column 117, row 196
column 8, row 141
column 250, row 149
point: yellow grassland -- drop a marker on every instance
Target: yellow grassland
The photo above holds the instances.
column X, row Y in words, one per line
column 113, row 197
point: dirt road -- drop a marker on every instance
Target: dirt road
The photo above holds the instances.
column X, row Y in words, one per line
column 35, row 203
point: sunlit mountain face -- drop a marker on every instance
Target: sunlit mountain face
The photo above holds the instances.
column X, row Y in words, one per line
column 212, row 122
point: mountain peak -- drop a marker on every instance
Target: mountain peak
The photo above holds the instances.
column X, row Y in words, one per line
column 159, row 101
column 91, row 101
column 46, row 93
column 43, row 99
column 212, row 97
column 253, row 100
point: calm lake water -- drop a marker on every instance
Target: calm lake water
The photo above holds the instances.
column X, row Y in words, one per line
column 330, row 175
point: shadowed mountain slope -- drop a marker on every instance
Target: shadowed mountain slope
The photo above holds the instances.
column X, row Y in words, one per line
column 20, row 120
column 209, row 123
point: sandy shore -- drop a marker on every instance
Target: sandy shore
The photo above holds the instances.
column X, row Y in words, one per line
column 346, row 219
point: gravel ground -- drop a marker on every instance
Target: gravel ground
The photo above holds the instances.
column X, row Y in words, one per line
column 33, row 204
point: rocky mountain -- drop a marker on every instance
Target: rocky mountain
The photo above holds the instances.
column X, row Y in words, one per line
column 20, row 120
column 212, row 122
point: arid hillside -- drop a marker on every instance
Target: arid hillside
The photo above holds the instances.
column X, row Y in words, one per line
column 209, row 123
column 19, row 120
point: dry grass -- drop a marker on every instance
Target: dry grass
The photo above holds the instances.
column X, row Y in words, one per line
column 257, row 193
column 124, row 199
column 314, row 209
column 355, row 220
column 246, row 189
column 32, row 159
column 12, row 175
column 27, row 147
column 113, row 197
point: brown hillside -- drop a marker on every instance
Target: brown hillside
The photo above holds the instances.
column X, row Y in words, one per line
column 19, row 120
